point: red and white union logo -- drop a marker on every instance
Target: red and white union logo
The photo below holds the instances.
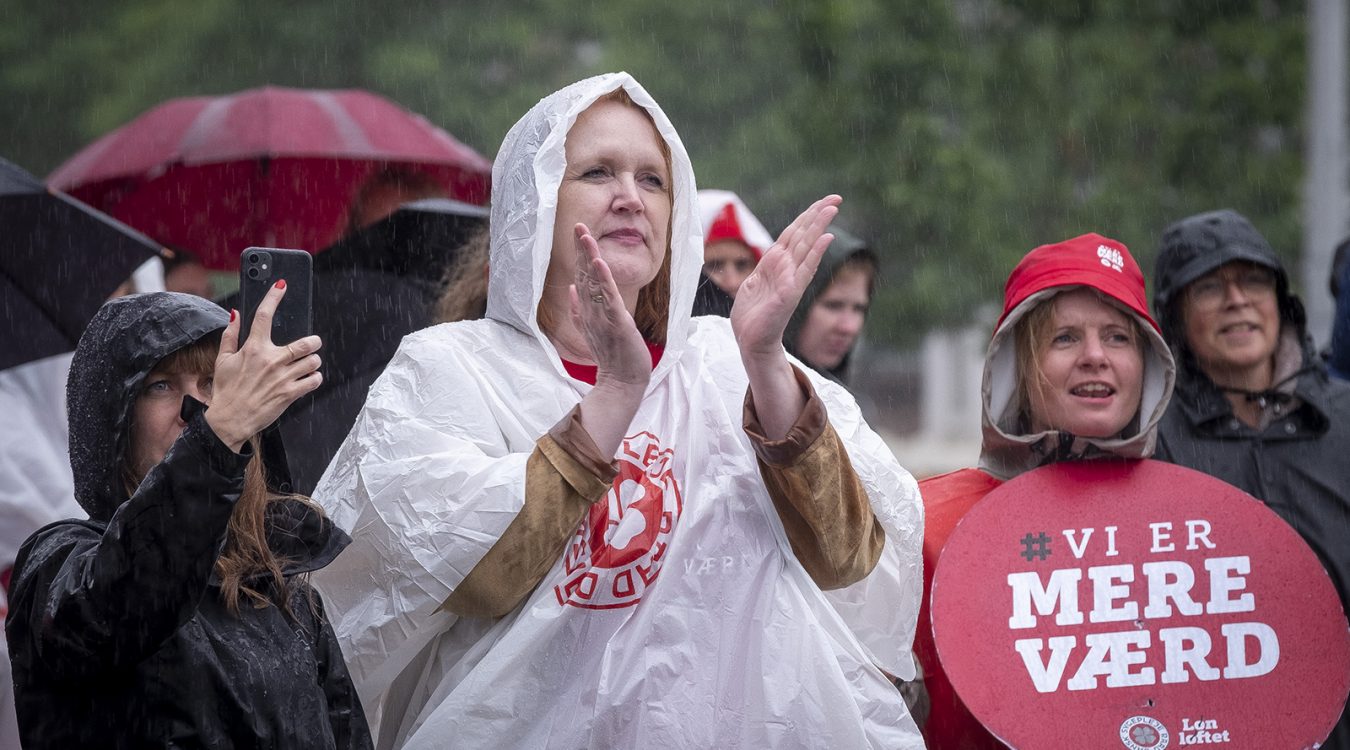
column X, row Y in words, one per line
column 617, row 552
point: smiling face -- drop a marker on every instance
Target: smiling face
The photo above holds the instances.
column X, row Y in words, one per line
column 617, row 182
column 1232, row 321
column 1089, row 366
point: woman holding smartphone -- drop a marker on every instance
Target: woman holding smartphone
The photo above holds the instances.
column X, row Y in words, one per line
column 178, row 614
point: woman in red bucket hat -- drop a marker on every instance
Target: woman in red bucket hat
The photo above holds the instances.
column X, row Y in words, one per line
column 1076, row 370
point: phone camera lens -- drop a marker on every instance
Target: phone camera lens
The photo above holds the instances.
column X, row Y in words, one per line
column 253, row 273
column 253, row 258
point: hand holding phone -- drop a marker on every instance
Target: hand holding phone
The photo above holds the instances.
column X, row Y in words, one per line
column 260, row 268
column 255, row 382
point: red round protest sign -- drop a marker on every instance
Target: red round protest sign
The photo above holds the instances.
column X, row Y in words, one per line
column 1139, row 605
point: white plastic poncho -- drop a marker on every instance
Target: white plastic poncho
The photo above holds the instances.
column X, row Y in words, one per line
column 36, row 484
column 685, row 620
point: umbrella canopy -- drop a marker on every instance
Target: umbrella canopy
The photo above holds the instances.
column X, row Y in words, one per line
column 419, row 240
column 60, row 261
column 272, row 167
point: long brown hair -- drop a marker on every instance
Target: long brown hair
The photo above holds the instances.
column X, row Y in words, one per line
column 466, row 282
column 652, row 312
column 246, row 555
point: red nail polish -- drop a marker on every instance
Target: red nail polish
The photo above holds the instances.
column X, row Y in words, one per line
column 281, row 284
column 233, row 314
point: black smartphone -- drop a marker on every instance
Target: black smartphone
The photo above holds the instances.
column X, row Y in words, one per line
column 262, row 267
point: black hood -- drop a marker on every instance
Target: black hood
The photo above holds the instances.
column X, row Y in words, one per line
column 1198, row 244
column 844, row 247
column 123, row 342
column 709, row 299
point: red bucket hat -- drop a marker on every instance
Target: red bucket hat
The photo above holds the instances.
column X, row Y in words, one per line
column 1089, row 260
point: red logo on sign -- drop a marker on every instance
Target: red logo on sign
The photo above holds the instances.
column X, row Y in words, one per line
column 1139, row 603
column 619, row 549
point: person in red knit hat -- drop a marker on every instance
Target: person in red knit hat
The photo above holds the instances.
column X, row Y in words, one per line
column 1076, row 370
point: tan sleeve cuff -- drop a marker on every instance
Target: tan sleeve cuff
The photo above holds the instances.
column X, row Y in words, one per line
column 819, row 498
column 808, row 428
column 573, row 453
column 563, row 477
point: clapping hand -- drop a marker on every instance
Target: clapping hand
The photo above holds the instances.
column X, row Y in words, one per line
column 623, row 364
column 765, row 302
column 621, row 357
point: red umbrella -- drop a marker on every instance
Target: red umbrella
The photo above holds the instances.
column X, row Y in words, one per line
column 271, row 166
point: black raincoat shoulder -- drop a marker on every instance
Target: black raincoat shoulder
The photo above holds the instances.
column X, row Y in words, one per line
column 117, row 631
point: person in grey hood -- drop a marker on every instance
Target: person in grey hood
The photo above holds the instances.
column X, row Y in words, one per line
column 1253, row 404
column 826, row 325
column 177, row 614
column 1075, row 371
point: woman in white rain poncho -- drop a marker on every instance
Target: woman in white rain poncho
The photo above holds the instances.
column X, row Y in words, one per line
column 565, row 534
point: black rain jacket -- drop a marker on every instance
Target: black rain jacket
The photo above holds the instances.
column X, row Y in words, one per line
column 117, row 631
column 1299, row 465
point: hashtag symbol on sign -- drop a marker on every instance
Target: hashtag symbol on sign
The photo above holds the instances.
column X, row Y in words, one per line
column 1035, row 546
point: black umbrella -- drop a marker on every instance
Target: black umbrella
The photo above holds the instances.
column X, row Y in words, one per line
column 418, row 241
column 59, row 261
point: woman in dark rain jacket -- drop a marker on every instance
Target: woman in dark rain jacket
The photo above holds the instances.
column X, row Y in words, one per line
column 177, row 615
column 1294, row 459
column 1254, row 406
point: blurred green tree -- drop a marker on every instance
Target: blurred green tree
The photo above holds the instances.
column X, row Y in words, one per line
column 961, row 132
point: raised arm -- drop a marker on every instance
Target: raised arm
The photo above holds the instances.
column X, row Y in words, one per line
column 623, row 364
column 90, row 600
column 571, row 466
column 764, row 305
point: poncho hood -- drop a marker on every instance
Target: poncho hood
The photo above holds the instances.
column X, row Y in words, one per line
column 724, row 216
column 1099, row 263
column 525, row 179
column 127, row 336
